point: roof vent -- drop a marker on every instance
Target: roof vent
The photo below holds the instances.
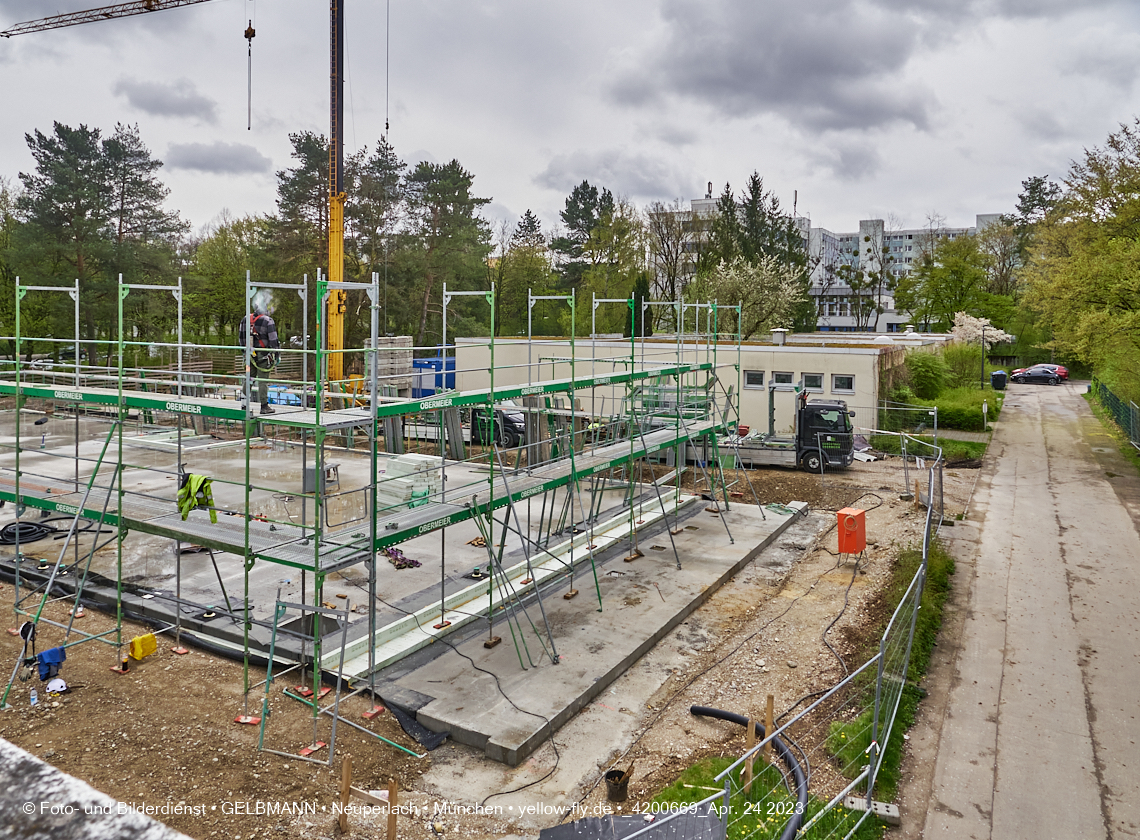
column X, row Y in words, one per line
column 779, row 336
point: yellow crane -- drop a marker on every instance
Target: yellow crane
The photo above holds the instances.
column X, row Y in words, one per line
column 334, row 321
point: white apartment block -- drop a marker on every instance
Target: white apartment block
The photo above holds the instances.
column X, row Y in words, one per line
column 873, row 249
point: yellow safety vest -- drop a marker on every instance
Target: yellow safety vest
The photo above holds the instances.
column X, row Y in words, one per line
column 196, row 492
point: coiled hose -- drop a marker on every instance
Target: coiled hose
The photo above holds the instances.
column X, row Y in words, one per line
column 32, row 531
column 785, row 754
column 24, row 532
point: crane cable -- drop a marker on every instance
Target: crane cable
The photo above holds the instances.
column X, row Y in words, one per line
column 250, row 32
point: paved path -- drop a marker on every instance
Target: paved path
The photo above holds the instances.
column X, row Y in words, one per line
column 1036, row 735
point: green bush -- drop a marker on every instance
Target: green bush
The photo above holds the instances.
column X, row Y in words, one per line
column 964, row 363
column 958, row 408
column 952, row 450
column 928, row 374
column 961, row 408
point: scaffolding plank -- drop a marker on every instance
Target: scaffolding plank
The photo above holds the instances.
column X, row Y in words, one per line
column 403, row 525
column 336, row 418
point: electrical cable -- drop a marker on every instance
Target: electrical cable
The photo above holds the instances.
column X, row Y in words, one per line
column 702, row 673
column 498, row 685
column 741, row 644
column 846, row 599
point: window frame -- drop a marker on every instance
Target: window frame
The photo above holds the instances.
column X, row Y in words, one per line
column 813, row 389
column 791, row 380
column 746, row 384
column 835, row 389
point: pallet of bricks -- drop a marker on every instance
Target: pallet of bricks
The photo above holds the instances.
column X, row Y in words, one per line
column 409, row 481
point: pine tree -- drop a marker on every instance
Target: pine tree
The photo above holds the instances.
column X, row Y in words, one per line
column 447, row 240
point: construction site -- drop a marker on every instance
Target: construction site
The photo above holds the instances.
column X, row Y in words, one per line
column 472, row 567
column 305, row 589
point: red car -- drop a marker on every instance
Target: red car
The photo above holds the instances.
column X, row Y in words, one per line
column 1060, row 370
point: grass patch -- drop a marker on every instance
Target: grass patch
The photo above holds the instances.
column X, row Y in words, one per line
column 763, row 812
column 848, row 741
column 952, row 450
column 1106, row 419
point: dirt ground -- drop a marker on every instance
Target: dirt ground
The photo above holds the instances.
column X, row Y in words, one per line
column 165, row 731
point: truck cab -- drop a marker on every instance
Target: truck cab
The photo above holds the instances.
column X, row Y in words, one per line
column 821, row 435
column 823, row 431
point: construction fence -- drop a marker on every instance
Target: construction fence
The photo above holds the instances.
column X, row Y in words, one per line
column 818, row 770
column 1125, row 412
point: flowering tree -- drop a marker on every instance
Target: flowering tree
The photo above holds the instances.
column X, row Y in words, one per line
column 968, row 329
column 768, row 288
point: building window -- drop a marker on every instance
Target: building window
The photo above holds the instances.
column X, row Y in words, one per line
column 753, row 379
column 842, row 383
column 782, row 377
column 813, row 382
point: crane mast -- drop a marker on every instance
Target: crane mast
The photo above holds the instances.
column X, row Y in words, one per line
column 336, row 301
column 336, row 304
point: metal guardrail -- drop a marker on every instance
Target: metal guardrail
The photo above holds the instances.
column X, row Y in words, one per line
column 1125, row 412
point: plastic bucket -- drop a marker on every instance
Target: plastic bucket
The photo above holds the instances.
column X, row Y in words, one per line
column 617, row 786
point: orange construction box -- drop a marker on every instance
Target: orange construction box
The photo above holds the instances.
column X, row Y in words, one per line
column 852, row 531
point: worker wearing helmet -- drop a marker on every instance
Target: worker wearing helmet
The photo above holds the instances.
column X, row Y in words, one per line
column 259, row 333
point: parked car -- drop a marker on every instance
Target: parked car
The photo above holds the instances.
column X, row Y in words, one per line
column 1039, row 374
column 1060, row 370
column 509, row 425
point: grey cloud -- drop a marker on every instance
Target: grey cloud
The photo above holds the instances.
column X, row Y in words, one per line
column 168, row 99
column 1111, row 63
column 673, row 135
column 1042, row 124
column 848, row 160
column 217, row 158
column 621, row 172
column 828, row 65
column 974, row 12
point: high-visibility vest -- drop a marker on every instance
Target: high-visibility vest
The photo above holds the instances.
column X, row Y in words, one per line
column 196, row 492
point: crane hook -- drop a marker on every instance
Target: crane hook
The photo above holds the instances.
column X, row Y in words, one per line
column 250, row 32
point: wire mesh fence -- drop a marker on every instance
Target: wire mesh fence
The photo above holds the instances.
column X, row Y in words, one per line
column 907, row 417
column 821, row 768
column 1125, row 412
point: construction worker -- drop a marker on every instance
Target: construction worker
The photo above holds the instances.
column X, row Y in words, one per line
column 264, row 345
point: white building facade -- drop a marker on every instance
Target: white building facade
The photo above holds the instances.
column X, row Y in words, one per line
column 878, row 251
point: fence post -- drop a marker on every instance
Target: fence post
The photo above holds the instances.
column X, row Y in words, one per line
column 906, row 464
column 873, row 750
column 726, row 808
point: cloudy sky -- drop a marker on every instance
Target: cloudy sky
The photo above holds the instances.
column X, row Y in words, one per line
column 865, row 108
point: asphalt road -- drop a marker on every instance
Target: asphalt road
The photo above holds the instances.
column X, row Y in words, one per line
column 1032, row 729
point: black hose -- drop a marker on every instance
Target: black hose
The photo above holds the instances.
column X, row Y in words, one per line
column 782, row 750
column 32, row 531
column 24, row 532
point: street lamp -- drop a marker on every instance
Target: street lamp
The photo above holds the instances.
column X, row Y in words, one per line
column 983, row 356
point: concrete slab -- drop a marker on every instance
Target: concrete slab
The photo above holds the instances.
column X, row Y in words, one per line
column 641, row 602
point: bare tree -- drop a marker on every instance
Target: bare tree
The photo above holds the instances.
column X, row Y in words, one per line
column 668, row 230
column 1000, row 242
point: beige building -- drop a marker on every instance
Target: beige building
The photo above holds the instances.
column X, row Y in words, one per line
column 851, row 367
